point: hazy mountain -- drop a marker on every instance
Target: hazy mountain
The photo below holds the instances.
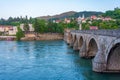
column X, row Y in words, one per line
column 71, row 14
column 58, row 16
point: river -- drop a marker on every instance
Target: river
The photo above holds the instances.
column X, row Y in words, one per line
column 45, row 60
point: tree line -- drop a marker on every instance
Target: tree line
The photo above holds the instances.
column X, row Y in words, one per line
column 112, row 24
column 42, row 26
column 102, row 24
column 16, row 21
column 115, row 14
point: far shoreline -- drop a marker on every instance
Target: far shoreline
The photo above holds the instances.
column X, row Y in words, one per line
column 33, row 37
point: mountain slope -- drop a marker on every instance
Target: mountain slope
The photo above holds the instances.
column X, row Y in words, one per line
column 71, row 14
column 87, row 13
column 59, row 16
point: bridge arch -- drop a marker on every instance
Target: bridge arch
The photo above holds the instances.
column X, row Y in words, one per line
column 113, row 56
column 92, row 47
column 72, row 40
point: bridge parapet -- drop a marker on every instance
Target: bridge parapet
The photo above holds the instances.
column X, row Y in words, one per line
column 114, row 33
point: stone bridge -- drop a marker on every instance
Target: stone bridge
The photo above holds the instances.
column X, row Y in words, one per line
column 103, row 46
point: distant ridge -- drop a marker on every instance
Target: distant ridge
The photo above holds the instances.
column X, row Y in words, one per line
column 88, row 13
column 59, row 16
column 70, row 14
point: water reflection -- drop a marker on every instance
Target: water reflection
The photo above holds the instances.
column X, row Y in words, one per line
column 45, row 60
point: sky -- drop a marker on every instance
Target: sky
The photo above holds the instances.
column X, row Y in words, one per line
column 35, row 8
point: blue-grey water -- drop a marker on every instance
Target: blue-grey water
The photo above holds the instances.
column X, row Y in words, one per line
column 45, row 60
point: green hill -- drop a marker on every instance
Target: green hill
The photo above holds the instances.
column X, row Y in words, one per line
column 71, row 14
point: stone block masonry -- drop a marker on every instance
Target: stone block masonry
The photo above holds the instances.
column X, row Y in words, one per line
column 101, row 45
column 44, row 36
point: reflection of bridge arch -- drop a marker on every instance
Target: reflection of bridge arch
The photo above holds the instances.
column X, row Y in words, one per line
column 92, row 48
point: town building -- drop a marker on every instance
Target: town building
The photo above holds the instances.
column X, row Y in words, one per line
column 93, row 28
column 8, row 30
column 12, row 30
column 107, row 19
column 93, row 17
column 56, row 21
column 31, row 29
column 67, row 20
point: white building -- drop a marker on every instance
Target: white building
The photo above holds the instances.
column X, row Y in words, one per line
column 12, row 31
column 8, row 30
column 2, row 29
column 30, row 27
column 22, row 27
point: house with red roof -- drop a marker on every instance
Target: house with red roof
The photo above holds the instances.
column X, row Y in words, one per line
column 93, row 28
column 8, row 30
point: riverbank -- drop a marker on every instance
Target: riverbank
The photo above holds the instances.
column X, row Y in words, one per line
column 44, row 36
column 8, row 38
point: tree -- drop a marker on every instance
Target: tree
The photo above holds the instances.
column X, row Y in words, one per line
column 113, row 13
column 36, row 26
column 31, row 20
column 26, row 27
column 19, row 34
column 39, row 26
column 85, row 26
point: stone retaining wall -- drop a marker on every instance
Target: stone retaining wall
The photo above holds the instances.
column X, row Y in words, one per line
column 44, row 36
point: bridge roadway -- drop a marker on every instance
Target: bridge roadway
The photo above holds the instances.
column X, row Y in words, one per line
column 103, row 46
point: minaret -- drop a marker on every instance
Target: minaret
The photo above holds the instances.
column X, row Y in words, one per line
column 80, row 26
column 80, row 23
column 80, row 19
column 83, row 16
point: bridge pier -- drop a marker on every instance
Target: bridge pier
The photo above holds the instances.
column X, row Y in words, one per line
column 82, row 52
column 75, row 46
column 71, row 44
column 99, row 63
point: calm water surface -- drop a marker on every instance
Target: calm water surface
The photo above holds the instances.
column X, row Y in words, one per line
column 45, row 60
